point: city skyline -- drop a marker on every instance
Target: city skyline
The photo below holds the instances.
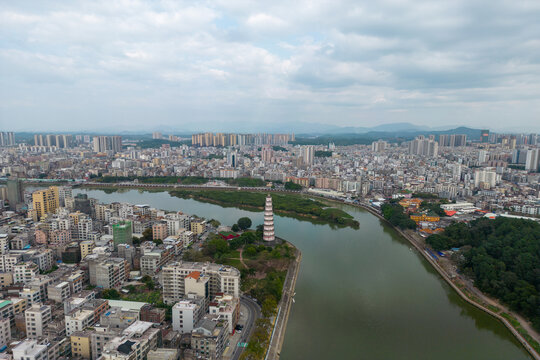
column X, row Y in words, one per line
column 136, row 65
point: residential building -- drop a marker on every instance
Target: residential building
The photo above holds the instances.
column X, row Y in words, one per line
column 24, row 272
column 187, row 313
column 78, row 320
column 134, row 343
column 226, row 307
column 37, row 317
column 107, row 143
column 59, row 292
column 45, row 202
column 159, row 231
column 5, row 332
column 208, row 339
column 163, row 354
column 222, row 279
column 109, row 272
column 30, row 350
column 81, row 345
column 86, row 247
column 7, row 310
column 152, row 314
column 14, row 193
column 198, row 226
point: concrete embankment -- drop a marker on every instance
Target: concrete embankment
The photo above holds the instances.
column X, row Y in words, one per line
column 284, row 309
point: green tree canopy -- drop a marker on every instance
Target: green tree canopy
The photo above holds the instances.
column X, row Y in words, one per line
column 244, row 223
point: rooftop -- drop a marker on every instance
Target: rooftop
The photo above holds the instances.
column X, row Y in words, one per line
column 127, row 305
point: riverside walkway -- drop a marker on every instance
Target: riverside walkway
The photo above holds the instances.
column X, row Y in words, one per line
column 284, row 308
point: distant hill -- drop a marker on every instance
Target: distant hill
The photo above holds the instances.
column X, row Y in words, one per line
column 396, row 136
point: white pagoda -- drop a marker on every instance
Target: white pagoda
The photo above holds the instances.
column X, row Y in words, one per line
column 268, row 230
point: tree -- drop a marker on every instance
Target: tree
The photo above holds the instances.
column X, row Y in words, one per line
column 147, row 234
column 111, row 294
column 215, row 247
column 289, row 185
column 158, row 241
column 250, row 250
column 269, row 306
column 259, row 231
column 244, row 223
column 502, row 256
column 235, row 228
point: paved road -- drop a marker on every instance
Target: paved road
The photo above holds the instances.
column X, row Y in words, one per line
column 254, row 313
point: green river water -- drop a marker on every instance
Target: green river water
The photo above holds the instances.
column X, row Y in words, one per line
column 362, row 294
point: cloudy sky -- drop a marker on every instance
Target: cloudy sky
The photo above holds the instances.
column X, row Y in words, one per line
column 239, row 64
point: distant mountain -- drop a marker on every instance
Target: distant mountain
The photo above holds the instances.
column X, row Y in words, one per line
column 349, row 138
column 301, row 129
column 394, row 128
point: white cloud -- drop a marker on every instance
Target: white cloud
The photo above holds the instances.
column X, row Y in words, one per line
column 262, row 21
column 312, row 60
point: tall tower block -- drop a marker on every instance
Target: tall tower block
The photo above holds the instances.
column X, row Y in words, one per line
column 268, row 229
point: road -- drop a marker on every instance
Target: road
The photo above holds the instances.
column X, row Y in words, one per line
column 254, row 314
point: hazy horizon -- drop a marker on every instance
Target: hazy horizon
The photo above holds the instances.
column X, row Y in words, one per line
column 132, row 65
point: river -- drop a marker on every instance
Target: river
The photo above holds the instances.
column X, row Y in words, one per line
column 362, row 294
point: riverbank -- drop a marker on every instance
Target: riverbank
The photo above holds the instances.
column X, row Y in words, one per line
column 504, row 320
column 284, row 308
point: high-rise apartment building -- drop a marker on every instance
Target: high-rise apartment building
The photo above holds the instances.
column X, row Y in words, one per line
column 485, row 178
column 532, row 161
column 308, row 155
column 378, row 146
column 232, row 158
column 45, row 201
column 484, row 136
column 7, row 138
column 266, row 154
column 452, row 140
column 107, row 143
column 58, row 140
column 64, row 192
column 14, row 193
column 424, row 147
column 221, row 139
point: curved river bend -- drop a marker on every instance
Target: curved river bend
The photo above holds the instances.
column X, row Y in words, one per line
column 362, row 294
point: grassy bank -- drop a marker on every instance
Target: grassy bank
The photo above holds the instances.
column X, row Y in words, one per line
column 287, row 205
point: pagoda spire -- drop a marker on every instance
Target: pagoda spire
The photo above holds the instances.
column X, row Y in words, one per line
column 268, row 229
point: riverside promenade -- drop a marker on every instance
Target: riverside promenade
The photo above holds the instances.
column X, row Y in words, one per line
column 284, row 308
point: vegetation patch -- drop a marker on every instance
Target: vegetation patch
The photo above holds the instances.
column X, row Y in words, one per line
column 502, row 256
column 288, row 205
column 394, row 213
column 323, row 154
column 246, row 182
